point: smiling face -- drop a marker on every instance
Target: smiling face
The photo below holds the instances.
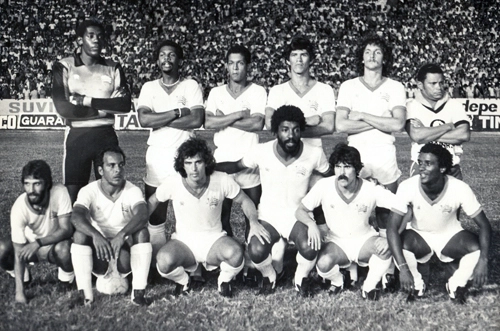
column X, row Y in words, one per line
column 289, row 137
column 36, row 190
column 430, row 172
column 168, row 60
column 373, row 57
column 237, row 68
column 113, row 169
column 92, row 41
column 195, row 169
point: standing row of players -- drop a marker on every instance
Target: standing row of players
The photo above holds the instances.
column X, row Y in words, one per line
column 89, row 89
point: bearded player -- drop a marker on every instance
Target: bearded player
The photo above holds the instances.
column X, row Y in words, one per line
column 41, row 228
column 285, row 165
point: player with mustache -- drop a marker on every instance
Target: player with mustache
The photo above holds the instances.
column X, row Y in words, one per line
column 348, row 202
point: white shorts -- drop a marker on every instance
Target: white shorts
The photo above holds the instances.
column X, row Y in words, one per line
column 247, row 178
column 200, row 244
column 380, row 163
column 159, row 164
column 352, row 245
column 283, row 227
column 438, row 241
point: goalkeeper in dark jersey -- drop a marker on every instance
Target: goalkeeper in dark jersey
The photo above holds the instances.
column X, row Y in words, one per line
column 87, row 91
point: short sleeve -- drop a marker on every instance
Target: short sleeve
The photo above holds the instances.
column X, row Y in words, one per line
column 250, row 160
column 194, row 96
column 469, row 202
column 145, row 99
column 259, row 101
column 344, row 97
column 85, row 197
column 231, row 188
column 211, row 103
column 63, row 200
column 314, row 196
column 387, row 199
column 164, row 191
column 323, row 164
column 398, row 97
column 18, row 222
column 274, row 101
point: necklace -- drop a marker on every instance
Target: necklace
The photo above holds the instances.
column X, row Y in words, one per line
column 169, row 85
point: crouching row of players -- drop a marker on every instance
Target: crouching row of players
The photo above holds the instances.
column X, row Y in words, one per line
column 110, row 217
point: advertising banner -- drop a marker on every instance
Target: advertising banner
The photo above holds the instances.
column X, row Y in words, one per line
column 40, row 114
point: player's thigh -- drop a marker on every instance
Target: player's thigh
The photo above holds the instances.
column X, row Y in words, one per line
column 299, row 235
column 254, row 193
column 225, row 249
column 60, row 251
column 414, row 243
column 173, row 254
column 462, row 243
column 369, row 248
column 330, row 255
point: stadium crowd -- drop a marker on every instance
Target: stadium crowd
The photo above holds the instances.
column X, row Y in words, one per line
column 461, row 34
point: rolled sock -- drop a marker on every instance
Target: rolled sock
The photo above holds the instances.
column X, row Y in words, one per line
column 157, row 237
column 304, row 266
column 64, row 276
column 81, row 257
column 353, row 271
column 228, row 272
column 411, row 261
column 278, row 253
column 26, row 274
column 266, row 268
column 178, row 275
column 465, row 271
column 140, row 262
column 376, row 269
column 333, row 275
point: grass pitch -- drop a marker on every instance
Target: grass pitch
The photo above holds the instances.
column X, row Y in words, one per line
column 52, row 309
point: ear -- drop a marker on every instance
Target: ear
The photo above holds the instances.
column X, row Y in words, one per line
column 420, row 85
column 443, row 170
column 100, row 171
column 80, row 41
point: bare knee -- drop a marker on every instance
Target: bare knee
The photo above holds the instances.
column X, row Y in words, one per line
column 325, row 262
column 305, row 250
column 165, row 261
column 62, row 250
column 257, row 251
column 6, row 247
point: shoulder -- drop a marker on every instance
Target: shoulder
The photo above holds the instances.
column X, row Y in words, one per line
column 323, row 86
column 20, row 202
column 189, row 83
column 410, row 182
column 457, row 185
column 111, row 63
column 394, row 83
column 66, row 62
column 59, row 189
column 279, row 87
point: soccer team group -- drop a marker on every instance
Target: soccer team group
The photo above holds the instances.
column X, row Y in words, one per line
column 340, row 212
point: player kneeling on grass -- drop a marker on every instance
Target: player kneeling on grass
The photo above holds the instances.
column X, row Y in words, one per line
column 40, row 226
column 435, row 197
column 348, row 201
column 110, row 216
column 197, row 196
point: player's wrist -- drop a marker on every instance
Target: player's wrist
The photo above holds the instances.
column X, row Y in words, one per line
column 178, row 112
column 87, row 101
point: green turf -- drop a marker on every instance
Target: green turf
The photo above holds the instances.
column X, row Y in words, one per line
column 205, row 309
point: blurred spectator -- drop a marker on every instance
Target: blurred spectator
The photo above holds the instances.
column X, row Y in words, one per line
column 462, row 35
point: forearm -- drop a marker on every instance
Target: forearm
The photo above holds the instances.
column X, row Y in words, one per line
column 484, row 240
column 82, row 225
column 19, row 267
column 192, row 121
column 302, row 215
column 249, row 124
column 55, row 237
column 138, row 221
column 384, row 124
column 113, row 105
column 148, row 119
column 457, row 136
column 269, row 114
column 345, row 125
column 423, row 135
column 316, row 131
column 229, row 167
column 220, row 122
column 250, row 211
column 396, row 246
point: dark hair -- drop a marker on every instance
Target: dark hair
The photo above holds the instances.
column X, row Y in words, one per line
column 38, row 169
column 445, row 159
column 343, row 153
column 240, row 49
column 176, row 46
column 80, row 30
column 191, row 148
column 287, row 113
column 429, row 68
column 99, row 161
column 300, row 42
column 373, row 39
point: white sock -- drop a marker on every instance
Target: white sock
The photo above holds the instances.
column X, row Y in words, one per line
column 411, row 261
column 178, row 275
column 278, row 253
column 157, row 237
column 266, row 269
column 248, row 261
column 140, row 262
column 81, row 257
column 333, row 275
column 26, row 273
column 353, row 271
column 465, row 270
column 304, row 267
column 376, row 269
column 64, row 276
column 228, row 272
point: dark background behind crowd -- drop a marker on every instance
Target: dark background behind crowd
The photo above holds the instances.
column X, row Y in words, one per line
column 462, row 35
